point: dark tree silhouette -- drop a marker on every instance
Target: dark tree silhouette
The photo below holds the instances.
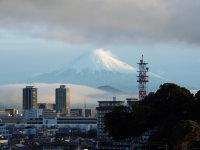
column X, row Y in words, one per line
column 169, row 108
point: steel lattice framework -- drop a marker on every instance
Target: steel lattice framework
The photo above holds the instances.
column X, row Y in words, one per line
column 142, row 78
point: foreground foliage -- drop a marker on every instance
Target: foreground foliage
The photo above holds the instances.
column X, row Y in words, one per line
column 172, row 110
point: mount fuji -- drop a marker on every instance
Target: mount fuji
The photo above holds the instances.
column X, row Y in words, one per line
column 98, row 68
column 98, row 60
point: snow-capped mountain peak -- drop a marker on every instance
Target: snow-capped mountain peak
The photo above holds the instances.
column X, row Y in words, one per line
column 99, row 60
column 97, row 68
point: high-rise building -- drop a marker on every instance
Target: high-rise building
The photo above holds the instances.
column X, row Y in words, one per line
column 63, row 100
column 29, row 97
column 104, row 108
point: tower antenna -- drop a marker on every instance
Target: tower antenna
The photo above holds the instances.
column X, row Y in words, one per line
column 142, row 78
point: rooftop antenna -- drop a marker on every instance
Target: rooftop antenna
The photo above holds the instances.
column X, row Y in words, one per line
column 85, row 104
column 85, row 108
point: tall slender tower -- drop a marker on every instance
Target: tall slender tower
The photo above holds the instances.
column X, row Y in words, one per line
column 63, row 100
column 29, row 97
column 142, row 78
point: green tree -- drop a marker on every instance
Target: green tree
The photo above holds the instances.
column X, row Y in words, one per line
column 142, row 119
column 117, row 123
column 165, row 109
column 122, row 124
column 184, row 133
column 195, row 105
column 197, row 96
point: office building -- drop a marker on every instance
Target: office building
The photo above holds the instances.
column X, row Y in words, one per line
column 77, row 120
column 132, row 101
column 90, row 112
column 63, row 100
column 29, row 97
column 30, row 114
column 105, row 107
column 77, row 112
column 83, row 112
column 49, row 114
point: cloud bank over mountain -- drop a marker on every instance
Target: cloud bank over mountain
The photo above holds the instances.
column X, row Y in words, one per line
column 11, row 95
column 104, row 22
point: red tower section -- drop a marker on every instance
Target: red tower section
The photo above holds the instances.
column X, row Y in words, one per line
column 142, row 78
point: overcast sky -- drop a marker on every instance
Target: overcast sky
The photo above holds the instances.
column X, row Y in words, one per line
column 41, row 35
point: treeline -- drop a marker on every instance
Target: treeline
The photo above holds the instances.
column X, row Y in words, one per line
column 173, row 112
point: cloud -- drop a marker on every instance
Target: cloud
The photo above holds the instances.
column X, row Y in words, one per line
column 11, row 95
column 104, row 22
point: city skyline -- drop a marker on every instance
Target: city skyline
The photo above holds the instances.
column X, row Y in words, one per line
column 99, row 74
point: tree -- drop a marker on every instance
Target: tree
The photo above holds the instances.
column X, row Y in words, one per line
column 171, row 110
column 184, row 133
column 195, row 111
column 197, row 96
column 122, row 124
column 142, row 119
column 117, row 123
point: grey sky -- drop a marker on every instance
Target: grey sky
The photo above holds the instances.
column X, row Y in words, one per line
column 104, row 22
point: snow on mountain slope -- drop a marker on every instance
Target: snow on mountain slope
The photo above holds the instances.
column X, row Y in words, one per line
column 97, row 68
column 99, row 60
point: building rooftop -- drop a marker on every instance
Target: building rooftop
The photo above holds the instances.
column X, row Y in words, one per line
column 62, row 86
column 110, row 101
column 30, row 87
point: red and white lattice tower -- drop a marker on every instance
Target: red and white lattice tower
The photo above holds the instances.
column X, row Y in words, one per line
column 142, row 78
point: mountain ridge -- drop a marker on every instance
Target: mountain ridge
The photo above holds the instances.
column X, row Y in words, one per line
column 109, row 88
column 98, row 68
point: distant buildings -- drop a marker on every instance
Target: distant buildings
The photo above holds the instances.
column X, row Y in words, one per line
column 83, row 112
column 90, row 112
column 30, row 114
column 54, row 114
column 63, row 100
column 52, row 117
column 12, row 111
column 9, row 112
column 49, row 114
column 4, row 114
column 29, row 97
column 4, row 134
column 77, row 112
column 46, row 106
